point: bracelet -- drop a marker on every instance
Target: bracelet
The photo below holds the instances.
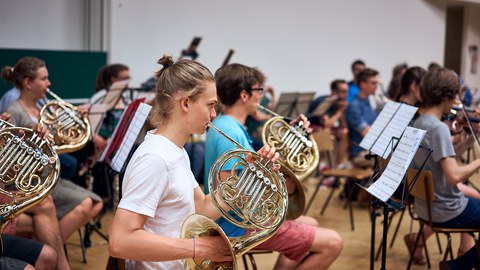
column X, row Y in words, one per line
column 193, row 247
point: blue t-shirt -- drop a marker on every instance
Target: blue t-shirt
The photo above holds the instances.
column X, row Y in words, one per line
column 353, row 91
column 215, row 145
column 359, row 115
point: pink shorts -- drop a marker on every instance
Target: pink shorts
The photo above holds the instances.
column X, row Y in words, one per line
column 292, row 239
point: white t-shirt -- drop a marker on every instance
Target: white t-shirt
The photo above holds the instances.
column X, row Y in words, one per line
column 158, row 183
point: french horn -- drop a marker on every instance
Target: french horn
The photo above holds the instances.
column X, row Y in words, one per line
column 71, row 130
column 253, row 197
column 29, row 170
column 298, row 151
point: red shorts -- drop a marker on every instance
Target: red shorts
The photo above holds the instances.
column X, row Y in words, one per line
column 292, row 239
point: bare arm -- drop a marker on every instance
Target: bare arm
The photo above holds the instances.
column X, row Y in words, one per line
column 128, row 240
column 455, row 173
column 204, row 205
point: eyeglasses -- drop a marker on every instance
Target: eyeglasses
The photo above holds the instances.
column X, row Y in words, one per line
column 259, row 90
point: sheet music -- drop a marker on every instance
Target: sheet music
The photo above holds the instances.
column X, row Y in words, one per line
column 395, row 128
column 131, row 136
column 378, row 125
column 403, row 155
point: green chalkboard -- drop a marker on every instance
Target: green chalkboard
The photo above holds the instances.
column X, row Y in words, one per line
column 72, row 73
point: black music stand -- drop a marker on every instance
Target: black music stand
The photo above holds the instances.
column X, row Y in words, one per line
column 292, row 104
column 97, row 113
column 389, row 205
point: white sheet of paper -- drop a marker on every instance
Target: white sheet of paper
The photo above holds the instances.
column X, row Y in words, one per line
column 131, row 136
column 395, row 128
column 401, row 158
column 379, row 125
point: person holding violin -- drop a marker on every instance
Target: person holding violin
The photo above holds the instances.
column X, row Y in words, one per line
column 452, row 207
column 409, row 93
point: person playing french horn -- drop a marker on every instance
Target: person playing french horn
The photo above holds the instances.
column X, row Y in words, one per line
column 301, row 243
column 159, row 189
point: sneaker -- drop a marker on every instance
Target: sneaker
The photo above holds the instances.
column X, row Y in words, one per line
column 328, row 182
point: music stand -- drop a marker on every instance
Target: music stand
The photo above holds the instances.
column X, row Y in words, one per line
column 292, row 104
column 303, row 103
column 96, row 115
column 381, row 139
column 383, row 184
column 285, row 104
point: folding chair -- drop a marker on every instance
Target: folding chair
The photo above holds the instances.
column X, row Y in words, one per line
column 423, row 189
column 325, row 147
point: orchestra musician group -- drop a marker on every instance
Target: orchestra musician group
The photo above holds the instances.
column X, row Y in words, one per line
column 160, row 192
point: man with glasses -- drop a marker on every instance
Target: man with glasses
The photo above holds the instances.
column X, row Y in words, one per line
column 300, row 242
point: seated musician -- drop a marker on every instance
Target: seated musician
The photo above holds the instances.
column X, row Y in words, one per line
column 39, row 221
column 75, row 205
column 451, row 207
column 239, row 89
column 328, row 112
column 159, row 190
column 360, row 116
column 409, row 93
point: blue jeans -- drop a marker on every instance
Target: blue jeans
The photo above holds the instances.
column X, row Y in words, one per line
column 469, row 218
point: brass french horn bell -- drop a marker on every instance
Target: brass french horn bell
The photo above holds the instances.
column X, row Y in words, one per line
column 298, row 150
column 71, row 130
column 253, row 197
column 296, row 194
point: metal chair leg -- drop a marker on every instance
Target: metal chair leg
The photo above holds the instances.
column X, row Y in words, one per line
column 82, row 245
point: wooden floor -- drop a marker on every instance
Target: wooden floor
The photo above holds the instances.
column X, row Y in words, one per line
column 355, row 254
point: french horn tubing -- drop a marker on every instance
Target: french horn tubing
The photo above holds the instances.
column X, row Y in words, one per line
column 71, row 130
column 298, row 151
column 253, row 197
column 29, row 170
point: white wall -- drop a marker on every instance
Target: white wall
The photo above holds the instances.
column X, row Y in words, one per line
column 44, row 24
column 300, row 45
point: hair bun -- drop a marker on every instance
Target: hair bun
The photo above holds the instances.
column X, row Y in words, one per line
column 166, row 61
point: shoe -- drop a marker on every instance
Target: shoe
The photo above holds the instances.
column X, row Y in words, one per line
column 328, row 182
column 443, row 265
column 417, row 259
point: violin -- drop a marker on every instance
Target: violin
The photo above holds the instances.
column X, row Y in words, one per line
column 470, row 120
column 458, row 122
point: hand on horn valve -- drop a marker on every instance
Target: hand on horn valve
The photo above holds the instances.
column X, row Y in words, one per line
column 303, row 122
column 267, row 152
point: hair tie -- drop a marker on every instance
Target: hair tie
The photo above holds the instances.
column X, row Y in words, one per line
column 167, row 65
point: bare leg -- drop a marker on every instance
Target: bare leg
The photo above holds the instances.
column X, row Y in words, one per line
column 78, row 217
column 285, row 263
column 325, row 249
column 47, row 258
column 42, row 219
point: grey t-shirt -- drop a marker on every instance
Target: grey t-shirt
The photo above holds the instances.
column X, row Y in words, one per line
column 449, row 201
column 20, row 116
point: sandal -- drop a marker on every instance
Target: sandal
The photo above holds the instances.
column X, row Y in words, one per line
column 418, row 259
